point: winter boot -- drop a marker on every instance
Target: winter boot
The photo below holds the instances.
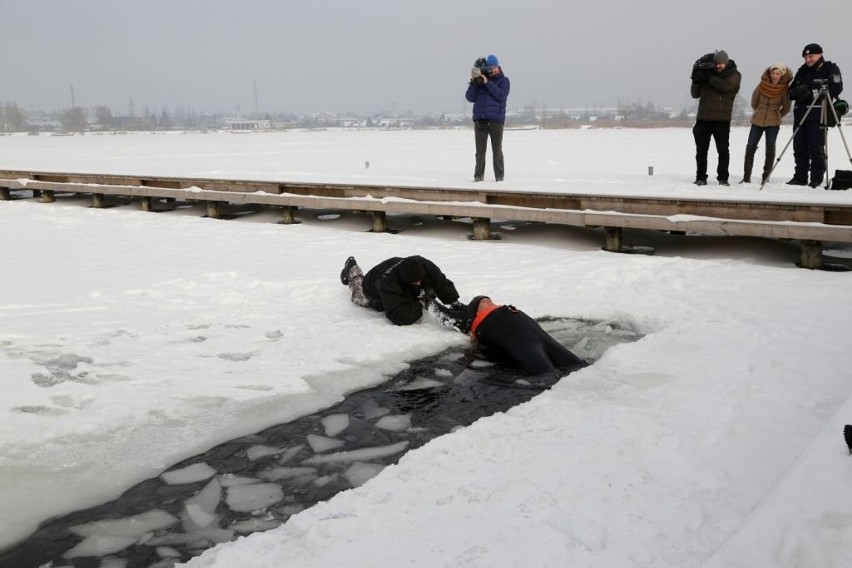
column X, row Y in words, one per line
column 769, row 163
column 748, row 164
column 344, row 274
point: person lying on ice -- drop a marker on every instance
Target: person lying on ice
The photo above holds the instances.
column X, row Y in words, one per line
column 399, row 287
column 505, row 332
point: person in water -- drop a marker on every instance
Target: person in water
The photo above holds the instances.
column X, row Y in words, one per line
column 508, row 333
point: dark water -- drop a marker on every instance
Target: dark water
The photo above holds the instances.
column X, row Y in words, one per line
column 257, row 482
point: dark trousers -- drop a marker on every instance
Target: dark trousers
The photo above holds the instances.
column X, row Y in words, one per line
column 720, row 131
column 513, row 333
column 484, row 129
column 809, row 152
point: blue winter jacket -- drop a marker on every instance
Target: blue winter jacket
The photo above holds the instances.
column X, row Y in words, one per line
column 489, row 100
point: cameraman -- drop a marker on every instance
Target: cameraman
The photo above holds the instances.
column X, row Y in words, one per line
column 715, row 83
column 488, row 91
column 812, row 77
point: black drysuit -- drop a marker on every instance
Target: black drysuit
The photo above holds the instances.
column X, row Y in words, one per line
column 388, row 292
column 516, row 334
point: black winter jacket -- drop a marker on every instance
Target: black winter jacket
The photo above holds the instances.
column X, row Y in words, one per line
column 716, row 95
column 807, row 80
column 387, row 292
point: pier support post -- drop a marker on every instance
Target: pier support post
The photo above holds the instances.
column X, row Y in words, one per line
column 288, row 215
column 214, row 210
column 5, row 194
column 48, row 196
column 98, row 200
column 613, row 239
column 380, row 222
column 481, row 228
column 147, row 204
column 811, row 256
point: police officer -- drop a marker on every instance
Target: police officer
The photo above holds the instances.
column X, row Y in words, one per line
column 809, row 141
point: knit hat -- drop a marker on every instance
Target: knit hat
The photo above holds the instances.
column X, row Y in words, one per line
column 492, row 61
column 466, row 324
column 811, row 48
column 410, row 270
column 780, row 66
column 721, row 57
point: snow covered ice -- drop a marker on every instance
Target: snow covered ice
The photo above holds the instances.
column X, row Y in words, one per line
column 130, row 341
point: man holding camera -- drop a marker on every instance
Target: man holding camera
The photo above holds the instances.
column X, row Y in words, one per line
column 815, row 78
column 715, row 83
column 488, row 91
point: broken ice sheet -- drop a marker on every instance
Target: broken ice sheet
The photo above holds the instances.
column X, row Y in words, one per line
column 359, row 472
column 248, row 498
column 322, row 444
column 395, row 423
column 279, row 473
column 334, row 424
column 97, row 545
column 133, row 527
column 190, row 474
column 256, row 452
column 371, row 409
column 363, row 454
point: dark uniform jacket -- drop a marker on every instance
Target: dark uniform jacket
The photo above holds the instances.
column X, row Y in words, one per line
column 387, row 292
column 806, row 81
column 716, row 95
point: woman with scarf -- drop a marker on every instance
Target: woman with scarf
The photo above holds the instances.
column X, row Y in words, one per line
column 770, row 104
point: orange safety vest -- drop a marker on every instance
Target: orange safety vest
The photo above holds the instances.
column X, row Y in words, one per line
column 481, row 315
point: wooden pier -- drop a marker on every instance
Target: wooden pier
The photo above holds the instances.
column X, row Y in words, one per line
column 810, row 223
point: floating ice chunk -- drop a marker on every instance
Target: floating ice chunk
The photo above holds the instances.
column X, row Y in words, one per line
column 113, row 563
column 371, row 409
column 248, row 498
column 324, row 480
column 255, row 525
column 218, row 535
column 279, row 473
column 363, row 454
column 254, row 453
column 231, row 480
column 290, row 454
column 97, row 545
column 174, row 539
column 208, row 498
column 443, row 373
column 481, row 363
column 334, row 424
column 420, row 383
column 132, row 527
column 167, row 552
column 190, row 474
column 360, row 472
column 468, row 376
column 395, row 423
column 199, row 516
column 323, row 444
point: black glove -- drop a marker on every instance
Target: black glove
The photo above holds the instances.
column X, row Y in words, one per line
column 799, row 92
column 699, row 76
column 457, row 305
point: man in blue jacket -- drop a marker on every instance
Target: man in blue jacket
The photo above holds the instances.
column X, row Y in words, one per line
column 488, row 91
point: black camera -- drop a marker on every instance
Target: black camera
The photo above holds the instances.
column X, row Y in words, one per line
column 706, row 62
column 480, row 69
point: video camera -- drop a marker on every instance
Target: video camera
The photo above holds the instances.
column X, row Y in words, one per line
column 480, row 68
column 706, row 62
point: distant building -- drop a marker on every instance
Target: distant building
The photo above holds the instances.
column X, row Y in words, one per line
column 244, row 124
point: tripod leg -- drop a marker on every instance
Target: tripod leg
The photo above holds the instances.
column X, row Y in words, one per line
column 787, row 145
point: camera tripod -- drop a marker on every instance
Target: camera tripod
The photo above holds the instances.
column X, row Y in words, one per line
column 822, row 98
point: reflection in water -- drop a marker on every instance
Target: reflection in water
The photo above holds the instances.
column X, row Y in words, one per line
column 257, row 482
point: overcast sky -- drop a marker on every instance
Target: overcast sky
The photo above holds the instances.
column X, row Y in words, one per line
column 390, row 55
